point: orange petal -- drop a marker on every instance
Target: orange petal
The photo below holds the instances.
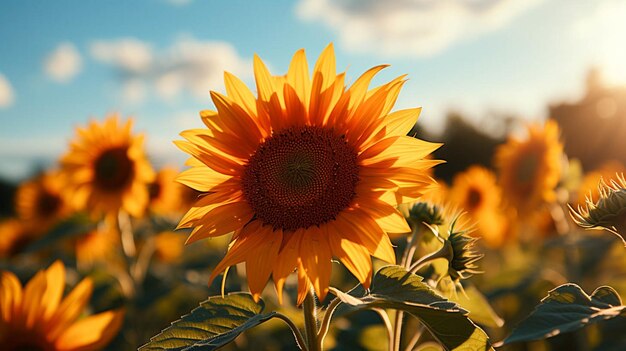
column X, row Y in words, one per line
column 34, row 292
column 261, row 259
column 238, row 252
column 352, row 254
column 361, row 228
column 221, row 220
column 55, row 276
column 316, row 259
column 287, row 260
column 70, row 308
column 298, row 77
column 239, row 93
column 236, row 120
column 10, row 296
column 91, row 333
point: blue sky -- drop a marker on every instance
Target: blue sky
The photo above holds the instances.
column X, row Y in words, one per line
column 63, row 62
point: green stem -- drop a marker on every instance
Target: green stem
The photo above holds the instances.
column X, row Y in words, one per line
column 415, row 339
column 385, row 317
column 294, row 329
column 444, row 252
column 325, row 326
column 310, row 321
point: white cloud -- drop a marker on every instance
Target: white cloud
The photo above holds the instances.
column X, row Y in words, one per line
column 188, row 65
column 412, row 28
column 6, row 92
column 130, row 55
column 64, row 63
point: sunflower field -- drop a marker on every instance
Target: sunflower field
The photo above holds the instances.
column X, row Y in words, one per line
column 312, row 213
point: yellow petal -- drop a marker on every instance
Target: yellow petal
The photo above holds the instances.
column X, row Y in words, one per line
column 70, row 308
column 10, row 295
column 33, row 294
column 287, row 260
column 261, row 259
column 55, row 276
column 316, row 259
column 298, row 77
column 238, row 252
column 352, row 254
column 91, row 333
column 221, row 220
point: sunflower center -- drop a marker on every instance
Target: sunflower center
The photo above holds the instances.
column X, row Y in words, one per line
column 48, row 204
column 301, row 177
column 23, row 341
column 154, row 190
column 527, row 168
column 474, row 198
column 113, row 169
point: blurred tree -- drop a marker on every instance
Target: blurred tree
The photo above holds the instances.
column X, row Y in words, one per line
column 594, row 128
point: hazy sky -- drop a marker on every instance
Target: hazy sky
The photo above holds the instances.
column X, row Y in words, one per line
column 63, row 62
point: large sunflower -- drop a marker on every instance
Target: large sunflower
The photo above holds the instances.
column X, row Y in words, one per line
column 40, row 202
column 475, row 190
column 37, row 318
column 305, row 171
column 106, row 169
column 530, row 168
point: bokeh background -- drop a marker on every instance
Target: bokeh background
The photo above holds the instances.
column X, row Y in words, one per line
column 481, row 70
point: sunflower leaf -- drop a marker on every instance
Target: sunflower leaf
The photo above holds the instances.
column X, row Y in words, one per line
column 568, row 308
column 215, row 323
column 394, row 287
column 480, row 311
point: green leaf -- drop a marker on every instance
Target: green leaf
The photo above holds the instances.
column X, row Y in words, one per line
column 567, row 308
column 74, row 226
column 480, row 311
column 394, row 287
column 218, row 321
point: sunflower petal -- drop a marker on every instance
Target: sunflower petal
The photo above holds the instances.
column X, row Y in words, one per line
column 316, row 259
column 261, row 259
column 91, row 333
column 10, row 295
column 287, row 260
column 352, row 254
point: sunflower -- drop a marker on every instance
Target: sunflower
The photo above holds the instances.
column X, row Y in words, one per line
column 608, row 212
column 169, row 246
column 305, row 171
column 589, row 184
column 166, row 195
column 40, row 201
column 475, row 191
column 106, row 169
column 99, row 245
column 530, row 168
column 37, row 318
column 14, row 236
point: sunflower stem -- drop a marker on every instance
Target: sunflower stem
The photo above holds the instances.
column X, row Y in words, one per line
column 416, row 337
column 444, row 252
column 407, row 258
column 385, row 318
column 325, row 326
column 294, row 329
column 310, row 321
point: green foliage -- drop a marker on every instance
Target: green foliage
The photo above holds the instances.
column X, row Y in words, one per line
column 568, row 308
column 218, row 321
column 394, row 287
column 74, row 226
column 480, row 311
